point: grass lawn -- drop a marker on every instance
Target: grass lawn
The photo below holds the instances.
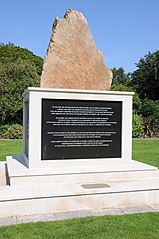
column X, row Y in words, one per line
column 10, row 147
column 146, row 151
column 136, row 226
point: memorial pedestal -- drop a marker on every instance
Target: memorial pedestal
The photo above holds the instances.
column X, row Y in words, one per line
column 67, row 127
column 76, row 155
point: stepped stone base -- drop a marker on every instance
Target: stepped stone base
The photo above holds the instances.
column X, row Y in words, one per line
column 113, row 186
column 3, row 174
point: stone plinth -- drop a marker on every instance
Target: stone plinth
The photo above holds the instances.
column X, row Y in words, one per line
column 88, row 127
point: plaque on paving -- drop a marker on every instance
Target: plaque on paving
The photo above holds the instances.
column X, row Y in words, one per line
column 80, row 129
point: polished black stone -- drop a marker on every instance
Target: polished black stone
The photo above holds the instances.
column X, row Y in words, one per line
column 81, row 129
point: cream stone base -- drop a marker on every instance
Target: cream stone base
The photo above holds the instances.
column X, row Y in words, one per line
column 87, row 172
column 30, row 185
column 51, row 190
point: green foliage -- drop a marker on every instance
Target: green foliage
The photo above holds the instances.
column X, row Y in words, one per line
column 121, row 87
column 146, row 78
column 150, row 112
column 144, row 81
column 137, row 126
column 120, row 77
column 15, row 131
column 3, row 129
column 19, row 69
column 151, row 127
column 10, row 53
column 150, row 108
column 136, row 99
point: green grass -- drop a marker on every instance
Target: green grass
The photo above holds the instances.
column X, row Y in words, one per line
column 136, row 226
column 10, row 147
column 146, row 151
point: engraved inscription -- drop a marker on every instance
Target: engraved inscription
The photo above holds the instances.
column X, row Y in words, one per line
column 80, row 129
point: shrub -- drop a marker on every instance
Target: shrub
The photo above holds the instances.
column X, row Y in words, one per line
column 151, row 127
column 137, row 126
column 15, row 131
column 3, row 129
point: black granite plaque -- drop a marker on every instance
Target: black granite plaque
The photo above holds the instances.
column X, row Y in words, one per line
column 81, row 129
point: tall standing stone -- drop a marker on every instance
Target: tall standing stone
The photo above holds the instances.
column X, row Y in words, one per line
column 72, row 60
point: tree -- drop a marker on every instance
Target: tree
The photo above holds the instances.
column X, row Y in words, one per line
column 136, row 99
column 146, row 78
column 150, row 113
column 19, row 69
column 10, row 53
column 120, row 77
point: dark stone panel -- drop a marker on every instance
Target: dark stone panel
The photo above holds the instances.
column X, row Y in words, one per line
column 79, row 129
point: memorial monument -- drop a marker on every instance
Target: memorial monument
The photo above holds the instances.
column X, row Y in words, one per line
column 77, row 139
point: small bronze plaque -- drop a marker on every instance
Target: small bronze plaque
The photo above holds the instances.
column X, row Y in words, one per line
column 95, row 185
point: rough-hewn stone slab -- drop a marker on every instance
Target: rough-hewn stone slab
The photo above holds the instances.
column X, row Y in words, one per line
column 72, row 60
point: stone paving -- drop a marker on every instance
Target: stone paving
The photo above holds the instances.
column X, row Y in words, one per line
column 76, row 214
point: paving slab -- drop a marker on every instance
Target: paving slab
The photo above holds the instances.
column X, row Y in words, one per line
column 104, row 212
column 138, row 209
column 72, row 214
column 8, row 221
column 36, row 218
column 76, row 214
column 155, row 207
